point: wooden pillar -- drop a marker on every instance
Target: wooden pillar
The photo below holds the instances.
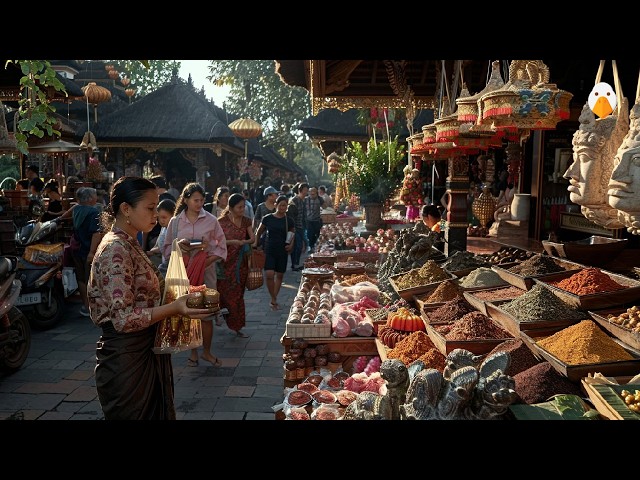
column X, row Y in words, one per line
column 455, row 231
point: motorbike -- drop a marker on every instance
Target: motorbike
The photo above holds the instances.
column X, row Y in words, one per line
column 40, row 271
column 15, row 332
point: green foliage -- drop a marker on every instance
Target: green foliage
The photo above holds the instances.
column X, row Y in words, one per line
column 257, row 92
column 34, row 110
column 311, row 161
column 374, row 173
column 9, row 166
column 146, row 75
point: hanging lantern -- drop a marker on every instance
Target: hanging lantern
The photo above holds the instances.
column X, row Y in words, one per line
column 96, row 94
column 245, row 128
column 125, row 81
column 527, row 100
column 114, row 74
column 130, row 92
column 109, row 67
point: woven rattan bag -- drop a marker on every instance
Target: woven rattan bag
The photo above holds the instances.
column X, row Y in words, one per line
column 255, row 279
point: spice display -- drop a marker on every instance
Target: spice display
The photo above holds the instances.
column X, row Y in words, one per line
column 521, row 357
column 433, row 359
column 540, row 304
column 472, row 326
column 499, row 293
column 506, row 255
column 629, row 319
column 450, row 311
column 447, row 290
column 588, row 281
column 411, row 347
column 537, row 265
column 462, row 259
column 482, row 277
column 540, row 382
column 428, row 273
column 584, row 343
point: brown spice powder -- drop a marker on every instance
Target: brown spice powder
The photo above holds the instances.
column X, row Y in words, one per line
column 433, row 359
column 499, row 293
column 447, row 290
column 411, row 347
column 584, row 343
column 474, row 326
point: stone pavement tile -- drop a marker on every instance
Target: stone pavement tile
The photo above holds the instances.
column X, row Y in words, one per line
column 252, row 404
column 260, row 416
column 22, row 415
column 270, row 391
column 79, row 374
column 87, row 416
column 9, row 385
column 208, row 405
column 243, row 380
column 239, row 391
column 210, row 392
column 266, row 371
column 56, row 416
column 250, row 362
column 72, row 407
column 63, row 386
column 197, row 416
column 68, row 364
column 228, row 416
column 256, row 353
column 43, row 401
column 247, row 372
column 92, row 408
column 82, row 394
column 256, row 345
column 270, row 380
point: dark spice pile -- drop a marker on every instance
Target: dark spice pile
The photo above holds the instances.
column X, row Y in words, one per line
column 540, row 382
column 447, row 290
column 499, row 293
column 450, row 311
column 540, row 304
column 473, row 326
column 520, row 355
column 537, row 265
column 462, row 260
column 588, row 281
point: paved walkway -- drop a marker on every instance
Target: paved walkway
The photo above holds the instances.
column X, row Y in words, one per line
column 57, row 381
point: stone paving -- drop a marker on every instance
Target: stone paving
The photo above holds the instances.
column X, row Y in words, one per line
column 57, row 382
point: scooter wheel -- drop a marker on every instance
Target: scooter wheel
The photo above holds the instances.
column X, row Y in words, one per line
column 15, row 350
column 44, row 316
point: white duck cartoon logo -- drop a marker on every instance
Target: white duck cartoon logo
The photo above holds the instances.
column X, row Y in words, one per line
column 602, row 100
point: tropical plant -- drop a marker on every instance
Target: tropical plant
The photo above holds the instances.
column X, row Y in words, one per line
column 373, row 173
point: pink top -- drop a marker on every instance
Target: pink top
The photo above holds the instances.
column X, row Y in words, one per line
column 206, row 226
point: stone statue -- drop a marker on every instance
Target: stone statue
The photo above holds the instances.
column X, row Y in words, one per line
column 624, row 184
column 469, row 388
column 594, row 146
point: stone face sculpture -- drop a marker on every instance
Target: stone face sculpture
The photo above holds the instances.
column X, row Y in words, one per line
column 467, row 389
column 624, row 183
column 594, row 146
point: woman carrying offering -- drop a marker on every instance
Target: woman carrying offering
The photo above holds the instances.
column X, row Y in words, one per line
column 125, row 291
column 277, row 225
column 239, row 236
column 202, row 242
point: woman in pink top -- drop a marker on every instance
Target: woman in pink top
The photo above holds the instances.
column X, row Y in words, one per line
column 192, row 222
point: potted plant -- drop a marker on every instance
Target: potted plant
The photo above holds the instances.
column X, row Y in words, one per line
column 373, row 173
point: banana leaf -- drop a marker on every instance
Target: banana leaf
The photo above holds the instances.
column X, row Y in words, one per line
column 560, row 407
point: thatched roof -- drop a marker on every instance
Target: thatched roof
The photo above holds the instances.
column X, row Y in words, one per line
column 174, row 112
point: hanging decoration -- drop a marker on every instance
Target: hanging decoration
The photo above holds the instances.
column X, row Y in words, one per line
column 255, row 171
column 527, row 101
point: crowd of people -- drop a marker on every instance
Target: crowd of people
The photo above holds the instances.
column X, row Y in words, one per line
column 121, row 250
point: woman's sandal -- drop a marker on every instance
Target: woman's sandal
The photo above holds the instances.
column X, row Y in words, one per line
column 215, row 362
column 241, row 334
column 275, row 306
column 192, row 363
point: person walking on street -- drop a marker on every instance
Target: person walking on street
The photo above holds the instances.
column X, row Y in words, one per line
column 85, row 239
column 268, row 206
column 248, row 206
column 192, row 222
column 220, row 201
column 277, row 250
column 313, row 204
column 297, row 211
column 239, row 237
column 125, row 291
